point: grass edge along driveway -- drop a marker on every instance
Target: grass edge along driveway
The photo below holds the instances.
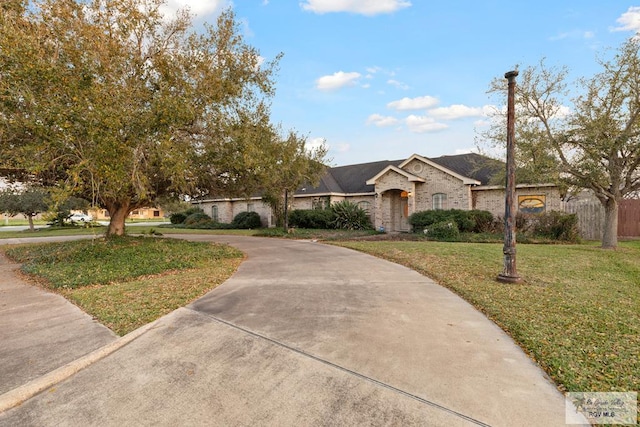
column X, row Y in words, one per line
column 577, row 314
column 128, row 282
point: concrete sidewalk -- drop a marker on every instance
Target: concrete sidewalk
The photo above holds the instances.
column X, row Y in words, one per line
column 308, row 334
column 40, row 331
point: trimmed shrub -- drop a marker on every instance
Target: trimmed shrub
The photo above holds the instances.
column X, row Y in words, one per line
column 197, row 218
column 445, row 230
column 181, row 217
column 193, row 210
column 312, row 218
column 246, row 220
column 421, row 220
column 474, row 221
column 349, row 216
column 558, row 226
column 483, row 221
column 177, row 217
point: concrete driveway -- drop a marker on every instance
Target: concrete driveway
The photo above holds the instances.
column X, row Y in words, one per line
column 307, row 334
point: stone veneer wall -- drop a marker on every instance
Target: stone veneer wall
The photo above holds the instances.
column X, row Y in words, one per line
column 382, row 203
column 437, row 181
column 492, row 199
column 228, row 209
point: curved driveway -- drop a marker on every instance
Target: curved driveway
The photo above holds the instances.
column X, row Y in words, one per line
column 309, row 334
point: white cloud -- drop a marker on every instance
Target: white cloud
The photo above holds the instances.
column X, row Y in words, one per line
column 398, row 84
column 381, row 121
column 196, row 7
column 364, row 7
column 458, row 111
column 314, row 143
column 575, row 34
column 482, row 123
column 422, row 124
column 419, row 103
column 629, row 21
column 563, row 112
column 337, row 80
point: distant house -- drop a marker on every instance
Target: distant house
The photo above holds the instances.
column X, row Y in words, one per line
column 390, row 191
column 140, row 213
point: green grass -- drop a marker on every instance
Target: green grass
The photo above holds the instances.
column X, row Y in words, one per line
column 99, row 231
column 128, row 282
column 577, row 313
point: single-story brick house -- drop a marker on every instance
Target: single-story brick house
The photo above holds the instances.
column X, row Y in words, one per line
column 390, row 191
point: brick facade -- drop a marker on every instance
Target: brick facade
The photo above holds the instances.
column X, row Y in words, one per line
column 492, row 198
column 399, row 189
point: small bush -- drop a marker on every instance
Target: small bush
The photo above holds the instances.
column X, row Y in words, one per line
column 312, row 218
column 474, row 221
column 246, row 220
column 445, row 230
column 177, row 218
column 193, row 210
column 349, row 216
column 524, row 222
column 483, row 221
column 421, row 220
column 181, row 217
column 197, row 218
column 558, row 226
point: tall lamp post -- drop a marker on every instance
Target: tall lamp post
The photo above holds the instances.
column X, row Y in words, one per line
column 510, row 274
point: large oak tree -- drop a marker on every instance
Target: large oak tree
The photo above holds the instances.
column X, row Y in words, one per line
column 585, row 137
column 111, row 101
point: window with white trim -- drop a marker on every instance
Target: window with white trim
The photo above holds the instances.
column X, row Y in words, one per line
column 439, row 201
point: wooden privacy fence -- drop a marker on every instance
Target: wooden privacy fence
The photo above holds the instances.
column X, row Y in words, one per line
column 629, row 218
column 591, row 218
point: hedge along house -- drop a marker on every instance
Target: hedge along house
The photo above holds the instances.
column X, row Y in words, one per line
column 390, row 191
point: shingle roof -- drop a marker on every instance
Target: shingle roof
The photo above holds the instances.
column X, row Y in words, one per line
column 349, row 179
column 352, row 179
column 471, row 165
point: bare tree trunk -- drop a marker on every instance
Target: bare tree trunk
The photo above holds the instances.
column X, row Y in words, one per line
column 118, row 213
column 31, row 227
column 610, row 234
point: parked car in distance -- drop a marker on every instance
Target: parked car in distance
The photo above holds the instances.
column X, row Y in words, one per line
column 80, row 217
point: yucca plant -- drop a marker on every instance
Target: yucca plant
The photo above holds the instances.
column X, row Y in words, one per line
column 349, row 216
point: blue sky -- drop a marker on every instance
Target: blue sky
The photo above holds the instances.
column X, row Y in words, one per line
column 384, row 79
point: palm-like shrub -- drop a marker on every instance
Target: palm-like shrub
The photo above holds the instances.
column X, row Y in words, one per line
column 349, row 216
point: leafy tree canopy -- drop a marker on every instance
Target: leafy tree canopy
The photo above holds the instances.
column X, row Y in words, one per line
column 585, row 137
column 29, row 202
column 110, row 101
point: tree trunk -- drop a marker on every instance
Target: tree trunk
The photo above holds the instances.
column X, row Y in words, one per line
column 610, row 234
column 285, row 218
column 118, row 213
column 31, row 222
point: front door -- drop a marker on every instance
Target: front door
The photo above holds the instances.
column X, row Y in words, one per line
column 399, row 204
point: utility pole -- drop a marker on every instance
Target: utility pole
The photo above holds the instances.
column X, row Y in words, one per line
column 510, row 274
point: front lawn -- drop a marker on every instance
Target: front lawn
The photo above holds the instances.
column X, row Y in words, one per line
column 577, row 313
column 128, row 282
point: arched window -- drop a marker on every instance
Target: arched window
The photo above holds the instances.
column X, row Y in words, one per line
column 439, row 201
column 214, row 213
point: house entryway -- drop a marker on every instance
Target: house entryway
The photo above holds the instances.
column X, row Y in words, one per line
column 398, row 205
